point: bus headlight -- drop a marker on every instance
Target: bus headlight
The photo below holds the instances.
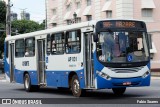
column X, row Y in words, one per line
column 145, row 74
column 103, row 75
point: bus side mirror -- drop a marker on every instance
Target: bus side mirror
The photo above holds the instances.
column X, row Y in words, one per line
column 95, row 37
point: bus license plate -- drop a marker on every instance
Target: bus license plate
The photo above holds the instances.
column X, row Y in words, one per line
column 127, row 83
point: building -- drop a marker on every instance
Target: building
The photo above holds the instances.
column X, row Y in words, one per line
column 14, row 16
column 25, row 15
column 60, row 12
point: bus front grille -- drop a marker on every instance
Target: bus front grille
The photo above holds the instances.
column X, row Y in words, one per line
column 126, row 70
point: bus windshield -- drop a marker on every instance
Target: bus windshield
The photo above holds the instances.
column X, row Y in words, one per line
column 122, row 47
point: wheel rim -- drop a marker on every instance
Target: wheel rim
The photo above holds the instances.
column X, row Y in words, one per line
column 27, row 82
column 76, row 86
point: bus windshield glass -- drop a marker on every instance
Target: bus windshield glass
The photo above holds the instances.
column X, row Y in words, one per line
column 122, row 47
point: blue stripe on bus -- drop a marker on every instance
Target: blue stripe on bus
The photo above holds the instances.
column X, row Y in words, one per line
column 61, row 78
column 6, row 68
column 56, row 79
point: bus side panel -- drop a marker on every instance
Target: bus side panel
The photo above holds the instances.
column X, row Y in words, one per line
column 64, row 80
column 51, row 78
column 60, row 66
column 34, row 77
column 81, row 77
column 18, row 76
column 60, row 78
column 56, row 79
column 25, row 64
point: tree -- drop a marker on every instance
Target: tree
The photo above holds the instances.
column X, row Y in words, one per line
column 42, row 25
column 25, row 26
column 2, row 25
column 2, row 12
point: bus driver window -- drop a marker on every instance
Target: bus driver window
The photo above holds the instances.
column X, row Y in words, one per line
column 107, row 44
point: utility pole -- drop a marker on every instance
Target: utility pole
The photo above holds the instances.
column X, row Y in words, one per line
column 8, row 19
column 46, row 13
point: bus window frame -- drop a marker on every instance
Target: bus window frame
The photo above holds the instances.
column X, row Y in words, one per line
column 32, row 46
column 48, row 40
column 19, row 48
column 66, row 41
column 62, row 42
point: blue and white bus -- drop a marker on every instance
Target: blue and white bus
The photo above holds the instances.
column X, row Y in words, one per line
column 104, row 54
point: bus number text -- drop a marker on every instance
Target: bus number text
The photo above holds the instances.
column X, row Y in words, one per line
column 72, row 59
column 25, row 63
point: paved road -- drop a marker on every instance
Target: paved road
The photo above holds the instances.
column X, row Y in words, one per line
column 14, row 90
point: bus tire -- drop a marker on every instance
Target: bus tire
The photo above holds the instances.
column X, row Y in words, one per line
column 118, row 91
column 27, row 83
column 75, row 87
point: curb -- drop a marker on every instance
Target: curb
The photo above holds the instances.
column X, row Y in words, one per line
column 3, row 80
column 155, row 78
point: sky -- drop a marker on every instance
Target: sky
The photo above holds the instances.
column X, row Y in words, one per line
column 36, row 8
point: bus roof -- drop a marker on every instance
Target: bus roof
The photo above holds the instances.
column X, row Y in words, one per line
column 52, row 30
column 60, row 29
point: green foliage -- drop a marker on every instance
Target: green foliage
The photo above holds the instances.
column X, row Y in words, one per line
column 2, row 25
column 42, row 25
column 2, row 37
column 25, row 26
column 2, row 12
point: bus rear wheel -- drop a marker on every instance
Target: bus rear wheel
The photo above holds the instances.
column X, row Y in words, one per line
column 75, row 87
column 27, row 83
column 118, row 91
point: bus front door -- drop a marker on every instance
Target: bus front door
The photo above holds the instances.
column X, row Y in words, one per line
column 12, row 62
column 41, row 62
column 88, row 61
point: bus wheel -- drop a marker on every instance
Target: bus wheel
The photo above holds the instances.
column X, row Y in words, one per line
column 118, row 91
column 75, row 86
column 27, row 83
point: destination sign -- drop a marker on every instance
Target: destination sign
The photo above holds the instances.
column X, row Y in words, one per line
column 121, row 24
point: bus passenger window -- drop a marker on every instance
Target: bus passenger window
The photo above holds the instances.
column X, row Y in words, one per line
column 73, row 41
column 57, row 43
column 30, row 47
column 48, row 44
column 19, row 48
